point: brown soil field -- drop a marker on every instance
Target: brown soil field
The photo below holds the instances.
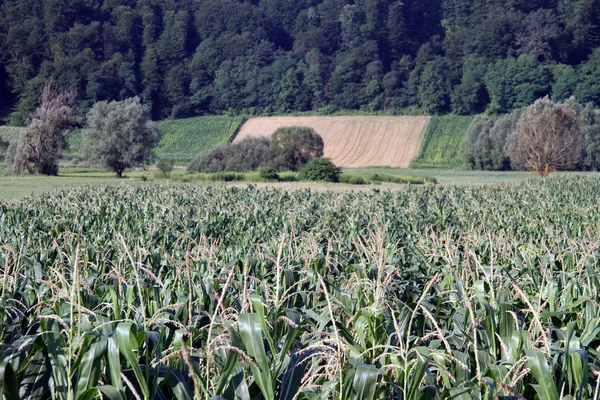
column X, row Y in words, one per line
column 354, row 141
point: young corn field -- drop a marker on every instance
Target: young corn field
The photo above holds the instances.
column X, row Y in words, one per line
column 237, row 293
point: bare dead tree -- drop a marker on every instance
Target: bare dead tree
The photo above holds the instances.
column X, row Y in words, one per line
column 42, row 143
column 547, row 137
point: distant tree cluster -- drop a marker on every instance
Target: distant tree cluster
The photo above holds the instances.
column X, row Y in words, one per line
column 197, row 57
column 289, row 149
column 118, row 134
column 544, row 137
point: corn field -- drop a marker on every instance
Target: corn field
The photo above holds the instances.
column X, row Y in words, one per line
column 183, row 139
column 237, row 293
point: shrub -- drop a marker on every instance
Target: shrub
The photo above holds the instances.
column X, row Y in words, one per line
column 352, row 179
column 165, row 166
column 320, row 169
column 3, row 148
column 295, row 146
column 268, row 173
column 247, row 155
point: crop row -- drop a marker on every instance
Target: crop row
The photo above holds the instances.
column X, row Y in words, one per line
column 441, row 142
column 182, row 292
column 183, row 139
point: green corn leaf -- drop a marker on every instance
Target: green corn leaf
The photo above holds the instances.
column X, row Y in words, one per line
column 90, row 368
column 9, row 388
column 460, row 394
column 365, row 382
column 292, row 378
column 89, row 394
column 110, row 392
column 546, row 387
column 251, row 334
column 34, row 384
column 127, row 346
column 418, row 372
column 114, row 365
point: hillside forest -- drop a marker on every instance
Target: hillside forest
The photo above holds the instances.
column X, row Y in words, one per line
column 196, row 57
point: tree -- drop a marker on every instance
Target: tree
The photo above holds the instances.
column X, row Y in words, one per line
column 589, row 145
column 514, row 83
column 320, row 170
column 294, row 146
column 42, row 143
column 120, row 134
column 249, row 154
column 547, row 137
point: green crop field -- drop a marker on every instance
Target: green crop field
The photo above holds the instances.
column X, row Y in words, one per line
column 442, row 141
column 10, row 133
column 183, row 139
column 428, row 292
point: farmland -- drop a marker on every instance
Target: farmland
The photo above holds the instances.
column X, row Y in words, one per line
column 441, row 143
column 354, row 141
column 9, row 133
column 183, row 139
column 181, row 292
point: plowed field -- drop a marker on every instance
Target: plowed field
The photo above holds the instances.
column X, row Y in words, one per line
column 354, row 141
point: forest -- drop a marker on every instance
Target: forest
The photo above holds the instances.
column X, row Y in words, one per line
column 259, row 57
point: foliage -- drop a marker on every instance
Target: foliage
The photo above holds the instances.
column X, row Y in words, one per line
column 199, row 57
column 483, row 147
column 120, row 134
column 247, row 155
column 514, row 83
column 476, row 148
column 268, row 173
column 184, row 139
column 547, row 137
column 165, row 166
column 187, row 292
column 40, row 146
column 589, row 144
column 321, row 170
column 441, row 142
column 295, row 146
column 354, row 178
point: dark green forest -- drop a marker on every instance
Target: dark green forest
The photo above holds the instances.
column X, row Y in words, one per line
column 194, row 57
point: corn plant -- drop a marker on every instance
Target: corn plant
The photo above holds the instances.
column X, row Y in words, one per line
column 429, row 292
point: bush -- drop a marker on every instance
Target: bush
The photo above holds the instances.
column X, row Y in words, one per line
column 165, row 166
column 3, row 149
column 483, row 147
column 352, row 179
column 247, row 155
column 295, row 146
column 320, row 169
column 268, row 173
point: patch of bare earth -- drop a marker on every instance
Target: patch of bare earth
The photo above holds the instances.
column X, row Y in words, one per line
column 354, row 141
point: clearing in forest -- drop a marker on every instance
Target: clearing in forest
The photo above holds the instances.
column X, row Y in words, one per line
column 354, row 141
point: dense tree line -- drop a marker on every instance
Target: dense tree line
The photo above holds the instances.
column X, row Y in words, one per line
column 543, row 137
column 192, row 57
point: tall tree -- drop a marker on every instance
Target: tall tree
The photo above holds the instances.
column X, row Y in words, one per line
column 40, row 147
